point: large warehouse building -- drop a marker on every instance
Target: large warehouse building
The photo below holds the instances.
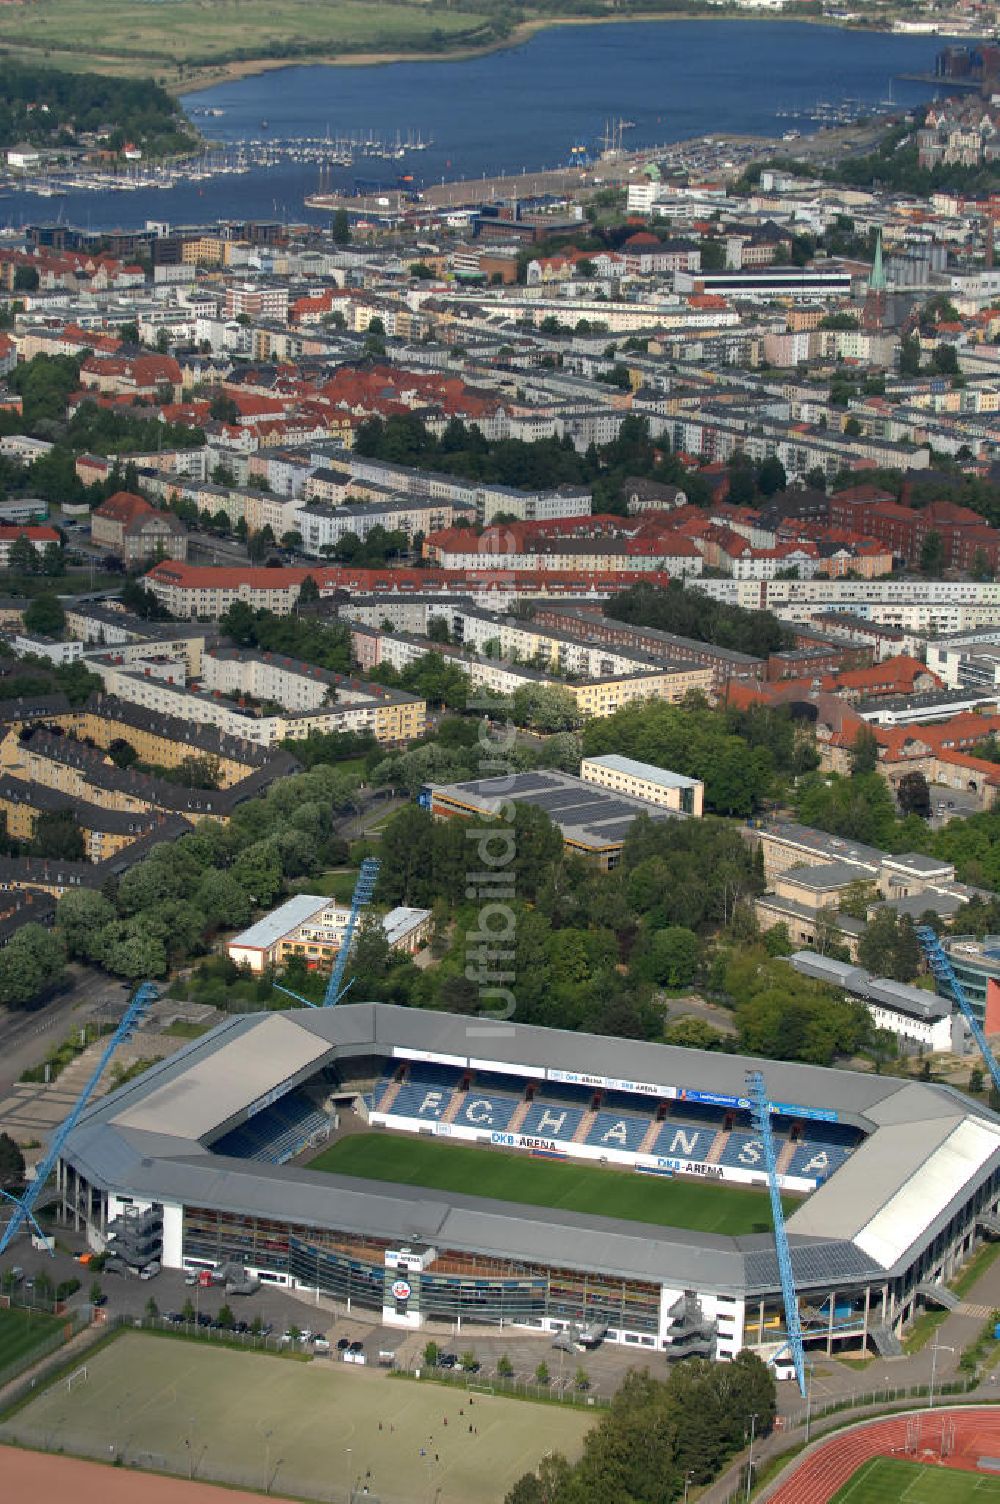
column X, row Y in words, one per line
column 897, row 1180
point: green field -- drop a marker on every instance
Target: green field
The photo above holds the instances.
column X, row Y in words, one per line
column 301, row 1430
column 570, row 1186
column 178, row 39
column 888, row 1481
column 22, row 1331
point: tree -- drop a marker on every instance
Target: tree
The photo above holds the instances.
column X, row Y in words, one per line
column 505, row 1368
column 53, row 561
column 909, row 356
column 340, row 228
column 25, row 279
column 23, row 557
column 226, row 1318
column 95, row 1295
column 944, row 360
column 542, row 1374
column 889, row 947
column 130, row 948
column 57, row 835
column 308, row 591
column 914, row 795
column 981, row 569
column 81, row 916
column 431, row 1354
column 11, row 1162
column 545, row 708
column 122, row 752
column 864, row 752
column 976, row 1080
column 852, row 428
column 30, row 962
column 771, row 476
column 932, row 554
column 45, row 616
column 223, row 408
column 671, row 958
column 152, row 1309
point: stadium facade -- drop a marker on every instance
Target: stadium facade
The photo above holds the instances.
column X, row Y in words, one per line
column 899, row 1180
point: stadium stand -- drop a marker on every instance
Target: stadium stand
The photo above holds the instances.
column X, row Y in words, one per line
column 684, row 1140
column 618, row 1130
column 744, row 1151
column 552, row 1120
column 482, row 1109
column 277, row 1133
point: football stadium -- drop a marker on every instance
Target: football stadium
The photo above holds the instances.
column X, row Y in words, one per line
column 426, row 1167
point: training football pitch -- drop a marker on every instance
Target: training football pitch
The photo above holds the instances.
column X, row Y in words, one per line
column 22, row 1331
column 564, row 1184
column 885, row 1480
column 308, row 1430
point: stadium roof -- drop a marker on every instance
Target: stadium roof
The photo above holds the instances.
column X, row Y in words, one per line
column 928, row 1149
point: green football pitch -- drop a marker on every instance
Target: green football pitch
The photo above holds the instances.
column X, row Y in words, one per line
column 886, row 1480
column 321, row 1430
column 699, row 1206
column 22, row 1331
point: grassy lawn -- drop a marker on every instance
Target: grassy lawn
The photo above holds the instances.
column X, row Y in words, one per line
column 338, row 885
column 299, row 1430
column 570, row 1186
column 182, row 1029
column 21, row 1331
column 129, row 36
column 887, row 1481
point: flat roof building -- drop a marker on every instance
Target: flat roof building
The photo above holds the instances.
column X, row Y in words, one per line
column 593, row 823
column 643, row 780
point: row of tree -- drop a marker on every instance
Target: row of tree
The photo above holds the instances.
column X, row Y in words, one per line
column 660, row 1436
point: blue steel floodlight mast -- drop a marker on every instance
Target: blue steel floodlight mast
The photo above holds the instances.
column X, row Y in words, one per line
column 23, row 1212
column 944, row 972
column 363, row 890
column 760, row 1109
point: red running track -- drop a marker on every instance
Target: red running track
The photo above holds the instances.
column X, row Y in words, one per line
column 965, row 1436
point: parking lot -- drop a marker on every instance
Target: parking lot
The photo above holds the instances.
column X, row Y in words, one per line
column 279, row 1311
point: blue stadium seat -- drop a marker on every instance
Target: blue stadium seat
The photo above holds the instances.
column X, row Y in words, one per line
column 486, row 1109
column 817, row 1161
column 552, row 1120
column 618, row 1130
column 277, row 1134
column 422, row 1099
column 745, row 1151
column 696, row 1113
column 684, row 1141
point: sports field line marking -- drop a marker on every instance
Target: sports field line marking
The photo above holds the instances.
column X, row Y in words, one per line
column 858, row 1478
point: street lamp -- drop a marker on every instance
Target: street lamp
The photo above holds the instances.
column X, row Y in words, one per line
column 934, row 1353
column 753, row 1424
column 687, row 1483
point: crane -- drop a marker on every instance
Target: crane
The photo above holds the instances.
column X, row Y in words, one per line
column 944, row 973
column 760, row 1109
column 363, row 890
column 142, row 997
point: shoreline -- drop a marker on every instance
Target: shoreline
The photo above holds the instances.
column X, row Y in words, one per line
column 227, row 73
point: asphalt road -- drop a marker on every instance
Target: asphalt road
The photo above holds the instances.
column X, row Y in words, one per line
column 25, row 1037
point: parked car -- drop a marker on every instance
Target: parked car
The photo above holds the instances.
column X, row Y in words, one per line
column 320, row 1345
column 356, row 1347
column 343, row 1343
column 447, row 1360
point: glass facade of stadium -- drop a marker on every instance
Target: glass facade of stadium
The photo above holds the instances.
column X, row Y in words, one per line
column 456, row 1286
